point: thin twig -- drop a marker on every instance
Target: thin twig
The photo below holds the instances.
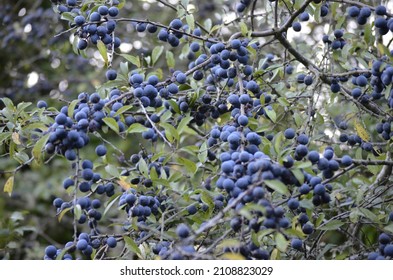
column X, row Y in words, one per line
column 153, row 125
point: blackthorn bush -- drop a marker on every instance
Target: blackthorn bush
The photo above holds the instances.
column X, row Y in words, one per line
column 199, row 143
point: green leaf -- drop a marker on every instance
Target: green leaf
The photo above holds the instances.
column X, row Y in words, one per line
column 37, row 150
column 340, row 21
column 185, row 3
column 110, row 203
column 8, row 103
column 174, row 106
column 299, row 175
column 75, row 45
column 278, row 186
column 317, row 15
column 202, row 155
column 375, row 169
column 319, row 221
column 281, row 242
column 156, row 53
column 282, row 100
column 297, row 4
column 86, row 5
column 246, row 213
column 196, row 94
column 243, row 28
column 217, row 27
column 21, row 157
column 306, row 203
column 156, row 156
column 170, row 59
column 232, row 243
column 383, row 49
column 132, row 59
column 208, row 24
column 277, row 142
column 153, row 174
column 4, row 136
column 112, row 124
column 142, row 166
column 345, row 50
column 170, row 132
column 71, row 107
column 368, row 37
column 190, row 21
column 77, row 211
column 298, row 119
column 176, row 176
column 102, row 49
column 303, row 165
column 112, row 170
column 166, row 116
column 147, row 59
column 354, row 215
column 183, row 123
column 207, row 199
column 163, row 182
column 131, row 245
column 362, row 62
column 358, row 153
column 9, row 185
column 271, row 114
column 368, row 214
column 22, row 106
column 332, row 225
column 122, row 3
column 67, row 16
column 136, row 128
column 33, row 126
column 389, row 228
column 112, row 84
column 188, row 164
column 124, row 68
column 123, row 109
column 276, row 71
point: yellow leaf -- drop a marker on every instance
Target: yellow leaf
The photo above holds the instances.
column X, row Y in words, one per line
column 275, row 255
column 125, row 185
column 62, row 213
column 9, row 185
column 15, row 138
column 229, row 243
column 361, row 132
column 233, row 256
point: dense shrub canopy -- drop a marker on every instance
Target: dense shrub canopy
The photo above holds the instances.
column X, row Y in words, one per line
column 196, row 130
